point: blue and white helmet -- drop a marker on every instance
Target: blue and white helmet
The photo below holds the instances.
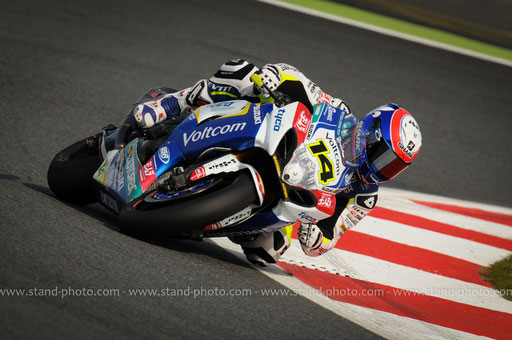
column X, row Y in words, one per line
column 385, row 142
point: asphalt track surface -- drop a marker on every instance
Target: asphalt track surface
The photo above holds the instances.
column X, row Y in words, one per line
column 67, row 68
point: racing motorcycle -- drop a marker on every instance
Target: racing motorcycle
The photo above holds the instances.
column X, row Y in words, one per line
column 228, row 168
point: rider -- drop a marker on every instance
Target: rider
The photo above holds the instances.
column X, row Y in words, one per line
column 392, row 136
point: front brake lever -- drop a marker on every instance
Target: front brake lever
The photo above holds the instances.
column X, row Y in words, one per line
column 280, row 99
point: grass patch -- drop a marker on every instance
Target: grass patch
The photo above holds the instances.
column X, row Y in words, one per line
column 500, row 275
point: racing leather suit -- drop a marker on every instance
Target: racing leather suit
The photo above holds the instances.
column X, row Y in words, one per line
column 232, row 81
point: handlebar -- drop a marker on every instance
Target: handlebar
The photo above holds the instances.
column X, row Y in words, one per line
column 280, row 99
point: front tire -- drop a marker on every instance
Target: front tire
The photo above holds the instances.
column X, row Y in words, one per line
column 71, row 170
column 145, row 217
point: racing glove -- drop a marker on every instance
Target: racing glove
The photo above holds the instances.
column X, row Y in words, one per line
column 310, row 237
column 271, row 78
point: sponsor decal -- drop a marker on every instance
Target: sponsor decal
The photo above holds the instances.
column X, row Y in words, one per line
column 115, row 179
column 326, row 202
column 240, row 216
column 131, row 181
column 257, row 114
column 337, row 155
column 222, row 104
column 221, row 164
column 131, row 171
column 310, row 132
column 324, row 98
column 341, row 230
column 302, row 122
column 317, row 113
column 286, row 67
column 237, row 218
column 348, row 221
column 147, row 169
column 101, row 174
column 406, row 138
column 109, row 202
column 147, row 174
column 217, row 87
column 312, row 87
column 212, row 132
column 116, row 173
column 119, row 184
column 279, row 118
column 198, row 173
column 366, row 201
column 357, row 140
column 305, row 216
column 164, row 155
column 330, row 112
column 212, row 166
column 407, row 150
column 357, row 214
column 214, row 226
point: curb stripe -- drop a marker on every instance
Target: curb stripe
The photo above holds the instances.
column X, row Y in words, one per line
column 443, row 228
column 430, row 309
column 413, row 257
column 475, row 252
column 409, row 256
column 367, row 268
column 456, row 220
column 471, row 212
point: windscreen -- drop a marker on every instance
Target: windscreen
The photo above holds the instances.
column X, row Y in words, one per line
column 352, row 141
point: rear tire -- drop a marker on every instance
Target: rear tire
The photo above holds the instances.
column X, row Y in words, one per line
column 70, row 174
column 192, row 212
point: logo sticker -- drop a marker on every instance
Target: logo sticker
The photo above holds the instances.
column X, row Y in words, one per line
column 131, row 173
column 366, row 201
column 279, row 119
column 406, row 138
column 164, row 155
column 211, row 132
column 326, row 202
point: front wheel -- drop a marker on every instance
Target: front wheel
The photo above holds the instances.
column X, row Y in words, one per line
column 196, row 207
column 70, row 172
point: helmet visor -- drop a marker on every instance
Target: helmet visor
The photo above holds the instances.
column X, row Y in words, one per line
column 382, row 160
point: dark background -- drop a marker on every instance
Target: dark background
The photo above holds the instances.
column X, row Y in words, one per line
column 67, row 68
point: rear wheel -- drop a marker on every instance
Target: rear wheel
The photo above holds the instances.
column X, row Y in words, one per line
column 71, row 170
column 195, row 207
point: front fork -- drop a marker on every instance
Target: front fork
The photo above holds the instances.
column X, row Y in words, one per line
column 230, row 163
column 225, row 164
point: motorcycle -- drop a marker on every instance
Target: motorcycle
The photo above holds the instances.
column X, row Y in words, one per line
column 229, row 168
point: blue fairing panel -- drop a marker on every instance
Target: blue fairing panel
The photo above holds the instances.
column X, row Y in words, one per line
column 167, row 156
column 236, row 131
